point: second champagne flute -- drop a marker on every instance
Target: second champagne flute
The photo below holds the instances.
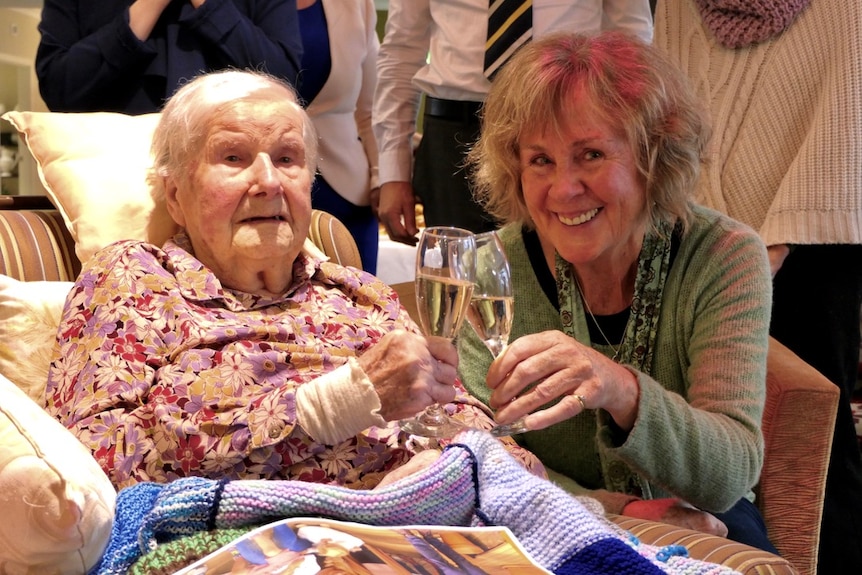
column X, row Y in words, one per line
column 492, row 306
column 445, row 271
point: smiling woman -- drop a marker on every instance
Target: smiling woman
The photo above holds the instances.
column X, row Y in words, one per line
column 627, row 325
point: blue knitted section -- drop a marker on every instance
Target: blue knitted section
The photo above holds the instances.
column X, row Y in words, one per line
column 552, row 525
column 442, row 494
column 184, row 506
column 133, row 504
column 607, row 557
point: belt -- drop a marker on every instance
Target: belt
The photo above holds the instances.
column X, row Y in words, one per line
column 454, row 110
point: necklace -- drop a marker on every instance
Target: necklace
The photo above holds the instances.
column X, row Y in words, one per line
column 595, row 321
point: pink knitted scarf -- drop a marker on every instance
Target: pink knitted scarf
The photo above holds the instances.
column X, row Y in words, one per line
column 738, row 23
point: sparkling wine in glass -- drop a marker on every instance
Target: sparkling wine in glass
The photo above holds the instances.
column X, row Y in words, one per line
column 492, row 305
column 445, row 271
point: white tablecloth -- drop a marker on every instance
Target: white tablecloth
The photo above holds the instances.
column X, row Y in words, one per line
column 396, row 262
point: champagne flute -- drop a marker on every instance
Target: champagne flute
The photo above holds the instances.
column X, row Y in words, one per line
column 445, row 270
column 492, row 305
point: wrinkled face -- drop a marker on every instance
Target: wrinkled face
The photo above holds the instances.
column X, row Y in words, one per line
column 581, row 187
column 246, row 199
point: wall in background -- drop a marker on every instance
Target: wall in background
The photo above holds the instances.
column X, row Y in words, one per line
column 19, row 38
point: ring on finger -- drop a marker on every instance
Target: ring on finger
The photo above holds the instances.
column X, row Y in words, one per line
column 580, row 399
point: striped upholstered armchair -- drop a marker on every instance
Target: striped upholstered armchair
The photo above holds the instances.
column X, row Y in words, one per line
column 36, row 246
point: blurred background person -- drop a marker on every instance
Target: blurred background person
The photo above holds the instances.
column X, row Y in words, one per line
column 338, row 77
column 437, row 48
column 118, row 56
column 782, row 82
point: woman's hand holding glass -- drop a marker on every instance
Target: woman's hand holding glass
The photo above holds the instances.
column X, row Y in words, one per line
column 566, row 370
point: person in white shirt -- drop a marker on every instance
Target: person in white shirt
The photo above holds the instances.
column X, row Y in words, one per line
column 437, row 49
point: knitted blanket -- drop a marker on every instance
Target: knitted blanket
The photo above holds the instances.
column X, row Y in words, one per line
column 475, row 482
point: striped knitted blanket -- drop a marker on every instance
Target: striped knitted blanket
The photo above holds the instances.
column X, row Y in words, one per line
column 475, row 482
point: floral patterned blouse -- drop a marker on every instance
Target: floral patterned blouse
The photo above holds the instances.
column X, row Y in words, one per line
column 162, row 372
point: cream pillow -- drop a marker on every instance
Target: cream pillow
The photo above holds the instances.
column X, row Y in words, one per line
column 94, row 167
column 58, row 504
column 29, row 315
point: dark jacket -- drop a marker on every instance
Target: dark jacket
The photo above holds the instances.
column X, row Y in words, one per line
column 89, row 59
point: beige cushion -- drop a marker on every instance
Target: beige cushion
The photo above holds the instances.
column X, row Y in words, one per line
column 58, row 505
column 29, row 315
column 94, row 167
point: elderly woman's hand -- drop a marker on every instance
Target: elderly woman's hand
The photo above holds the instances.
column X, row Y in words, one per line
column 539, row 368
column 410, row 372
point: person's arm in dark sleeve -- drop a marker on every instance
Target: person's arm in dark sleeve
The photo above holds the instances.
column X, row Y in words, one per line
column 267, row 39
column 79, row 73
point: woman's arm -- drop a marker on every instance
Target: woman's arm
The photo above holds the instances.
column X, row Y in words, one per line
column 698, row 432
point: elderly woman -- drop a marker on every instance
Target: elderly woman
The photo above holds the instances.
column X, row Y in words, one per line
column 639, row 340
column 234, row 350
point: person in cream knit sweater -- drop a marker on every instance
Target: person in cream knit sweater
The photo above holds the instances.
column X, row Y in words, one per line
column 783, row 83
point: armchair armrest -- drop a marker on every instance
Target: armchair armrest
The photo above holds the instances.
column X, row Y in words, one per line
column 36, row 246
column 798, row 423
column 742, row 558
column 334, row 239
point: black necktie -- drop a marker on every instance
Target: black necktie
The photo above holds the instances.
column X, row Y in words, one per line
column 510, row 26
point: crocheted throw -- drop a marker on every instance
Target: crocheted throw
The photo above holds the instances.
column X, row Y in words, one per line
column 739, row 23
column 475, row 482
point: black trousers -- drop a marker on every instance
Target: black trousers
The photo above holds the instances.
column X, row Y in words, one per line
column 440, row 178
column 817, row 297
